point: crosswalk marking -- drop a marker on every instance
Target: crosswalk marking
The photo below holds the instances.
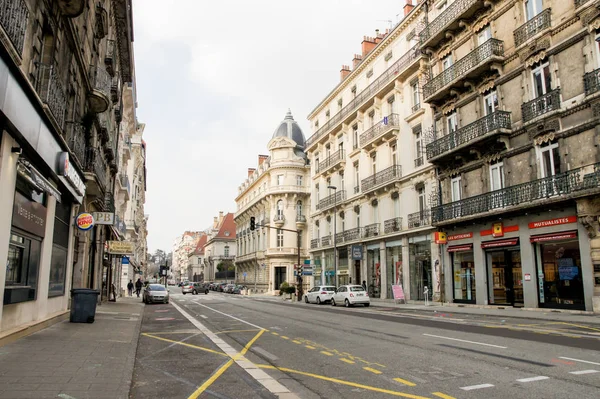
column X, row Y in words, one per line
column 474, row 387
column 584, row 372
column 531, row 379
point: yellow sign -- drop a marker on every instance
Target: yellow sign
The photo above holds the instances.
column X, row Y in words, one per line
column 439, row 237
column 120, row 247
column 497, row 230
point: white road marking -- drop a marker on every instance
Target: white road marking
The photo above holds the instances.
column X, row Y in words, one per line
column 204, row 317
column 263, row 378
column 464, row 340
column 531, row 379
column 584, row 372
column 474, row 387
column 233, row 317
column 579, row 360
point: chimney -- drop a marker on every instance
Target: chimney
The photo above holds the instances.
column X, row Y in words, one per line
column 408, row 7
column 220, row 216
column 344, row 72
column 261, row 159
column 250, row 171
column 378, row 36
column 357, row 59
column 368, row 44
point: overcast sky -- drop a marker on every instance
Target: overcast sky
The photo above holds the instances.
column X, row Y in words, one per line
column 215, row 78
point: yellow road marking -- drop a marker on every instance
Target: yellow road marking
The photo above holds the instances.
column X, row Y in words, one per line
column 296, row 342
column 313, row 345
column 185, row 344
column 442, row 395
column 309, row 347
column 347, row 361
column 374, row 371
column 284, row 337
column 274, row 333
column 235, row 331
column 327, row 353
column 223, row 368
column 405, row 382
column 342, row 382
column 575, row 325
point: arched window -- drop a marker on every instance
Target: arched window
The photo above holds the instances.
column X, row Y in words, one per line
column 299, row 208
column 280, row 208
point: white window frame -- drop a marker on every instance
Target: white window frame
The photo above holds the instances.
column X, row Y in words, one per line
column 484, row 35
column 419, row 144
column 280, row 208
column 540, row 69
column 280, row 179
column 414, row 87
column 456, row 188
column 489, row 99
column 279, row 238
column 499, row 167
column 394, row 153
column 537, row 7
column 551, row 147
column 421, row 201
column 355, row 135
column 299, row 208
column 299, row 179
column 447, row 62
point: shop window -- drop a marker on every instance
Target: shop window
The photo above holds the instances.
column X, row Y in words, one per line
column 393, row 268
column 559, row 273
column 374, row 273
column 463, row 272
column 58, row 262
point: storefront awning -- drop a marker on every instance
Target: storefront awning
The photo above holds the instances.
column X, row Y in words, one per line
column 460, row 248
column 563, row 235
column 509, row 242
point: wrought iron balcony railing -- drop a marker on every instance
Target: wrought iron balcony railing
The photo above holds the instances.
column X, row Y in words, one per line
column 94, row 163
column 326, row 241
column 76, row 140
column 352, row 234
column 387, row 175
column 331, row 200
column 109, row 203
column 377, row 130
column 415, row 108
column 339, row 237
column 419, row 161
column 51, row 91
column 532, row 27
column 464, row 135
column 541, row 105
column 482, row 54
column 450, row 15
column 591, row 82
column 100, row 79
column 13, row 18
column 300, row 219
column 279, row 218
column 371, row 230
column 392, row 225
column 109, row 58
column 314, row 243
column 331, row 161
column 390, row 74
column 419, row 219
column 562, row 185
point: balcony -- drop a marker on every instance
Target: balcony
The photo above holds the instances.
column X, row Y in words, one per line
column 99, row 96
column 126, row 148
column 471, row 66
column 52, row 93
column 109, row 57
column 572, row 184
column 115, row 88
column 332, row 163
column 356, row 189
column 352, row 234
column 331, row 200
column 125, row 186
column 449, row 20
column 279, row 220
column 532, row 27
column 314, row 243
column 118, row 113
column 95, row 170
column 300, row 221
column 71, row 8
column 419, row 161
column 541, row 105
column 591, row 82
column 105, row 124
column 109, row 203
column 404, row 66
column 419, row 219
column 13, row 18
column 339, row 237
column 488, row 127
column 326, row 241
column 75, row 138
column 381, row 179
column 371, row 230
column 392, row 225
column 380, row 132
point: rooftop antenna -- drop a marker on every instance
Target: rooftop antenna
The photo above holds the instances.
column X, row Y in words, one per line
column 389, row 21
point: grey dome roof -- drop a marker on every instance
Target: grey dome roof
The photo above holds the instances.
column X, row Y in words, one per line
column 289, row 128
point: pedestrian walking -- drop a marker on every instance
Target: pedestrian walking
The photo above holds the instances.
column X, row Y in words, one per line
column 138, row 286
column 364, row 284
column 130, row 288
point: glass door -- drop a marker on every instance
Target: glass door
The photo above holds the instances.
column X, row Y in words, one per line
column 504, row 268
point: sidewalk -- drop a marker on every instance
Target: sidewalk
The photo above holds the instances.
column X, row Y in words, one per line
column 495, row 311
column 73, row 360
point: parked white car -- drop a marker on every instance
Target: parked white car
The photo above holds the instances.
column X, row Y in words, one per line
column 350, row 295
column 319, row 294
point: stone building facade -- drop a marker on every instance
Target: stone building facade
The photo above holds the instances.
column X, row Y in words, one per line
column 277, row 195
column 514, row 88
column 220, row 249
column 371, row 184
column 64, row 65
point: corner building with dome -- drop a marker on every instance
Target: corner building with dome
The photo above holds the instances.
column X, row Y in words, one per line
column 277, row 194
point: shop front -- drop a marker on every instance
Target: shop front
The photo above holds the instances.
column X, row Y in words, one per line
column 343, row 273
column 528, row 261
column 419, row 249
column 393, row 265
column 374, row 270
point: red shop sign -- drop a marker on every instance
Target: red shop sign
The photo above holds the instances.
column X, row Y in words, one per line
column 460, row 248
column 553, row 222
column 500, row 243
column 460, row 236
column 554, row 236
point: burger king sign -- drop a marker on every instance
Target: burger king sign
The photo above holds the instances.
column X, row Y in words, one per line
column 84, row 221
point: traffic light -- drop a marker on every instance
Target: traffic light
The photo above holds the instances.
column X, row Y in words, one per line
column 300, row 270
column 252, row 223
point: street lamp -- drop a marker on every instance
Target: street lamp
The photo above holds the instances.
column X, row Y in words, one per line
column 335, row 278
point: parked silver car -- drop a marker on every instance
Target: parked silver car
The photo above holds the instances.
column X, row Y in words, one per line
column 154, row 293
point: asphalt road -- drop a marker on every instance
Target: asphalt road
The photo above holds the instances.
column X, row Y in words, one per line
column 229, row 346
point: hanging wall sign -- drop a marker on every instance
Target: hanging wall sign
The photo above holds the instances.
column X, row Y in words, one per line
column 84, row 221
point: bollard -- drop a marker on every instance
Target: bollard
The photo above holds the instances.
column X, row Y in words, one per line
column 426, row 292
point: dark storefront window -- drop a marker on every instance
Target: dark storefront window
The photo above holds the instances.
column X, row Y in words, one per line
column 58, row 264
column 420, row 269
column 463, row 268
column 393, row 268
column 559, row 275
column 374, row 272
